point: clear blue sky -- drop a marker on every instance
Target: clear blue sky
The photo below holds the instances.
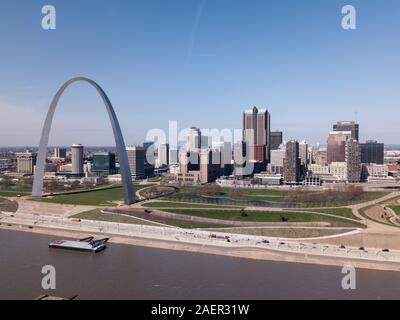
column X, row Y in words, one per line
column 200, row 62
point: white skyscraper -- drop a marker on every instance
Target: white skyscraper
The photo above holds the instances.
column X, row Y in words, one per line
column 163, row 154
column 77, row 158
column 303, row 152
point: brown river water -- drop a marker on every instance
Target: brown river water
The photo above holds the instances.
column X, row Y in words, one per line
column 130, row 272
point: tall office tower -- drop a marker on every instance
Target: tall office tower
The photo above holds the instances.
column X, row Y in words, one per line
column 136, row 159
column 149, row 151
column 60, row 153
column 241, row 159
column 163, row 154
column 353, row 160
column 173, row 156
column 291, row 171
column 277, row 159
column 222, row 155
column 190, row 155
column 226, row 158
column 276, row 139
column 77, row 158
column 104, row 163
column 225, row 148
column 26, row 162
column 337, row 146
column 372, row 152
column 193, row 139
column 204, row 142
column 256, row 132
column 351, row 126
column 303, row 151
column 258, row 153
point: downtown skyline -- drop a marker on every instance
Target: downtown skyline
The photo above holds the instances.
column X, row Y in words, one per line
column 218, row 152
column 199, row 70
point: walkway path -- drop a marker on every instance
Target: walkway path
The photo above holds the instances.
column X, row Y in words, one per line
column 374, row 226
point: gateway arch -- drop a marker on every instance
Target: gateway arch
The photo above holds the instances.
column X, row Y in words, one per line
column 37, row 190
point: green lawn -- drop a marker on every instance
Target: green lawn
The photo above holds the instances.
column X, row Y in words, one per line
column 193, row 193
column 155, row 179
column 166, row 204
column 263, row 216
column 245, row 196
column 256, row 194
column 260, row 192
column 103, row 197
column 97, row 215
column 8, row 206
column 395, row 209
column 323, row 202
column 14, row 191
column 342, row 212
column 4, row 193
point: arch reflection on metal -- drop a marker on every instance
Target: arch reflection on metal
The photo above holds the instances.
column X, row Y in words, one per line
column 37, row 190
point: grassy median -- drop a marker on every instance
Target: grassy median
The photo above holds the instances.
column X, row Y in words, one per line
column 97, row 215
column 169, row 204
column 101, row 197
column 341, row 212
column 264, row 216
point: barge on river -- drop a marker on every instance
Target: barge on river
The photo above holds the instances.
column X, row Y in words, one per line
column 87, row 244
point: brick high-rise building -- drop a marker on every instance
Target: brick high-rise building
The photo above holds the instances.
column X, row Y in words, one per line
column 291, row 171
column 26, row 162
column 258, row 153
column 256, row 131
column 353, row 160
column 276, row 139
column 337, row 146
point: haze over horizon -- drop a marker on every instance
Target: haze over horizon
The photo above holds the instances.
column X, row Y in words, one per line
column 179, row 60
